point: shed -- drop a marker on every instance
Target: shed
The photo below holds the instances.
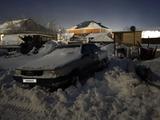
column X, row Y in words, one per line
column 127, row 37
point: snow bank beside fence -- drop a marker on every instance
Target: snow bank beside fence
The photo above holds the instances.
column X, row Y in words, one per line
column 154, row 65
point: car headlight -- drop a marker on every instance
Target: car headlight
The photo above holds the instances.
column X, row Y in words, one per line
column 50, row 73
column 17, row 72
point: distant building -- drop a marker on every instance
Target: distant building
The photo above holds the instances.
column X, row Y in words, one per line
column 127, row 37
column 88, row 30
column 24, row 26
column 88, row 27
column 12, row 32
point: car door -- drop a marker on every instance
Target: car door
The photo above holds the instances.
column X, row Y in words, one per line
column 89, row 56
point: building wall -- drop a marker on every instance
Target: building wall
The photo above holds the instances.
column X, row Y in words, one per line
column 129, row 38
column 86, row 31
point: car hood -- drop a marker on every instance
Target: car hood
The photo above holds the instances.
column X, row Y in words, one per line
column 57, row 58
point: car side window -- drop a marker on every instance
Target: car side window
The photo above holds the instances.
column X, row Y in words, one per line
column 94, row 48
column 89, row 49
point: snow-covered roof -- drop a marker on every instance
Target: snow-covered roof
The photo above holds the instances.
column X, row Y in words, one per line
column 7, row 24
column 100, row 37
column 89, row 24
column 22, row 26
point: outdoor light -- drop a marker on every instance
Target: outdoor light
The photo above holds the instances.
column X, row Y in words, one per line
column 2, row 35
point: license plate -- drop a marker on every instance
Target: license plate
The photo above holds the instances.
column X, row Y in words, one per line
column 29, row 80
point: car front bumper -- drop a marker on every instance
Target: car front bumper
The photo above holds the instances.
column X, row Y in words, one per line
column 44, row 81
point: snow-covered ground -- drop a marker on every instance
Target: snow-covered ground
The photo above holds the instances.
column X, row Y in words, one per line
column 109, row 95
column 115, row 93
column 153, row 64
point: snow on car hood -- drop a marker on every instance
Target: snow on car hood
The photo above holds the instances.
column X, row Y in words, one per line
column 57, row 58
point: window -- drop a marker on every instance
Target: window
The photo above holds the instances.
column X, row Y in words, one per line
column 89, row 49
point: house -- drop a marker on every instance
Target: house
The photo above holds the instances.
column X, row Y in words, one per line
column 27, row 26
column 87, row 30
column 11, row 32
column 88, row 27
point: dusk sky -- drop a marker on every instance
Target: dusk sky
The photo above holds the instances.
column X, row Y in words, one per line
column 115, row 14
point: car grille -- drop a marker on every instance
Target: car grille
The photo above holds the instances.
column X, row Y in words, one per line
column 32, row 72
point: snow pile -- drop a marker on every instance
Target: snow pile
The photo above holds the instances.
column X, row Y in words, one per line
column 47, row 48
column 125, row 64
column 114, row 95
column 25, row 99
column 109, row 49
column 154, row 65
column 136, row 100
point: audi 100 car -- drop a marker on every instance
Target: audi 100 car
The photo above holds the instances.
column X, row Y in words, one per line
column 56, row 67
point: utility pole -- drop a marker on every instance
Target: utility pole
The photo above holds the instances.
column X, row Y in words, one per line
column 133, row 29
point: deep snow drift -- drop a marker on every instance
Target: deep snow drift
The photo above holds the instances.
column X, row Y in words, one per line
column 115, row 93
column 118, row 95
